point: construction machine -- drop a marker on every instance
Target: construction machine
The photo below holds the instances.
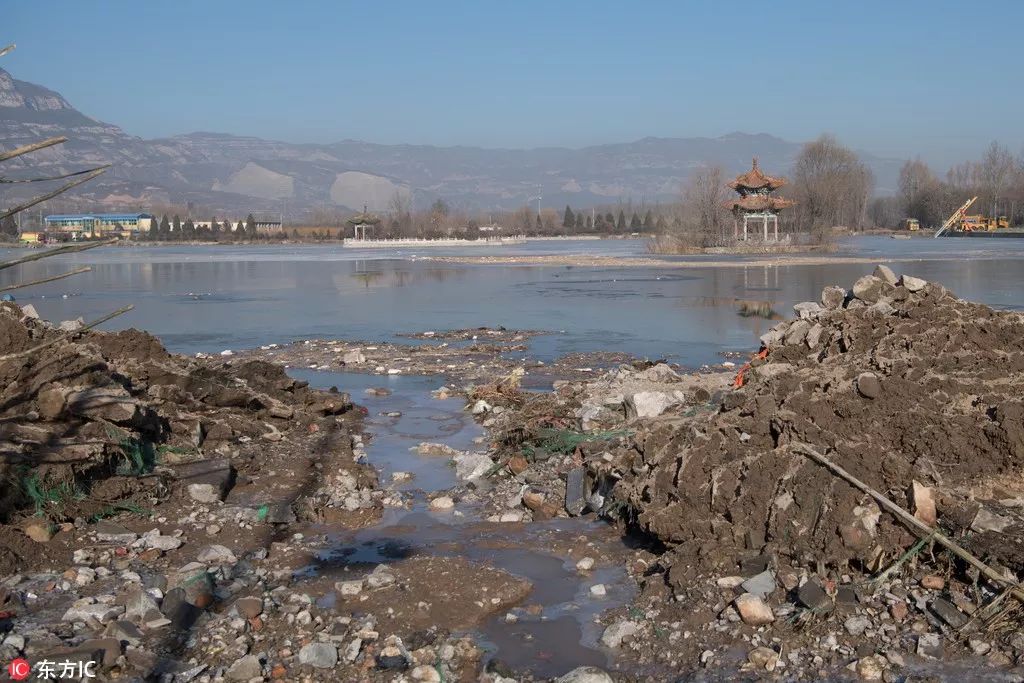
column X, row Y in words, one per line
column 957, row 217
column 912, row 224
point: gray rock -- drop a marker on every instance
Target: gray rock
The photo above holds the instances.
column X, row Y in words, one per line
column 881, row 308
column 29, row 311
column 138, row 604
column 808, row 310
column 481, row 407
column 762, row 584
column 857, row 624
column 380, row 577
column 161, row 542
column 71, row 325
column 868, row 385
column 913, row 284
column 354, row 356
column 885, row 274
column 814, row 335
column 103, row 403
column 869, row 288
column 247, row 668
column 204, row 493
column 614, row 634
column 319, row 655
column 754, row 610
column 646, row 404
column 948, row 612
column 216, row 554
column 470, row 466
column 929, row 645
column 660, row 372
column 110, row 532
column 124, row 631
column 797, row 332
column 832, row 297
column 986, row 520
column 99, row 612
column 813, row 596
column 585, row 674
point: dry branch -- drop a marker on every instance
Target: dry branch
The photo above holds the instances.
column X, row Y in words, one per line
column 912, row 522
column 32, row 147
column 11, row 181
column 57, row 340
column 71, row 248
column 32, row 283
column 50, row 195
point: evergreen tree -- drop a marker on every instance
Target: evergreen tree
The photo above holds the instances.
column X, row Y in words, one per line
column 250, row 227
column 620, row 225
column 154, row 228
column 188, row 229
column 579, row 221
column 176, row 225
column 214, row 229
column 165, row 228
column 648, row 220
column 660, row 224
column 609, row 220
column 589, row 224
column 9, row 227
column 635, row 223
column 569, row 221
column 540, row 225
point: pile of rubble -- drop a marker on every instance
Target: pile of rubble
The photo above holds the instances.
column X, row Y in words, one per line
column 143, row 491
column 916, row 394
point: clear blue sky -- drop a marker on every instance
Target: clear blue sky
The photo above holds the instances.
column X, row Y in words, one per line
column 936, row 78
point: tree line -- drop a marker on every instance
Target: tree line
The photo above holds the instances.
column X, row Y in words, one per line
column 173, row 229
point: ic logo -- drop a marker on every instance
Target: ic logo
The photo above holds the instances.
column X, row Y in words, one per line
column 19, row 669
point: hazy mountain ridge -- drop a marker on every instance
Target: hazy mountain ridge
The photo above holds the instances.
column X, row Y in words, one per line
column 229, row 173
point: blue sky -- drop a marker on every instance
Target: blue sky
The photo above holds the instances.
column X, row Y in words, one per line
column 899, row 78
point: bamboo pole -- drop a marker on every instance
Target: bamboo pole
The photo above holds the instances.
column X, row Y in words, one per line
column 32, row 147
column 912, row 522
column 63, row 337
column 69, row 249
column 2, row 53
column 22, row 285
column 50, row 195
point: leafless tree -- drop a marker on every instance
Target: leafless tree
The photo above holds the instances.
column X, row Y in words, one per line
column 831, row 186
column 922, row 194
column 995, row 173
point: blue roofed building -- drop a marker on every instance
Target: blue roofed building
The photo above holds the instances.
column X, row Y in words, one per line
column 98, row 224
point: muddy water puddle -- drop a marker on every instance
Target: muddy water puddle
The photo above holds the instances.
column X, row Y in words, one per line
column 554, row 628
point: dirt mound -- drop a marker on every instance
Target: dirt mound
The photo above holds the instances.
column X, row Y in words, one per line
column 87, row 421
column 896, row 380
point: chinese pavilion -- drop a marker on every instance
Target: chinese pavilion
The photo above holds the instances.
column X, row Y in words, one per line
column 756, row 202
column 361, row 221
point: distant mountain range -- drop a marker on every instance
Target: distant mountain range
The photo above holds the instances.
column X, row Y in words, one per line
column 229, row 174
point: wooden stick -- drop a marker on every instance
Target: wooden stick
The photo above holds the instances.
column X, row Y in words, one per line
column 56, row 340
column 68, row 249
column 912, row 522
column 42, row 179
column 21, row 285
column 2, row 53
column 27, row 149
column 50, row 195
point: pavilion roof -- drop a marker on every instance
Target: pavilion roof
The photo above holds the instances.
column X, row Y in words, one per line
column 755, row 179
column 363, row 218
column 758, row 202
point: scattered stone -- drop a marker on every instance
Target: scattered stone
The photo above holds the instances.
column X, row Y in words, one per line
column 204, row 493
column 933, row 582
column 481, row 407
column 38, row 529
column 812, row 595
column 469, row 466
column 124, row 632
column 857, row 624
column 990, row 521
column 871, row 668
column 138, row 604
column 99, row 612
column 353, row 357
column 763, row 658
column 947, row 612
column 808, row 310
column 868, row 288
column 761, row 585
column 585, row 564
column 913, row 284
column 754, row 610
column 425, row 673
column 348, row 588
column 245, row 669
column 647, row 404
column 832, row 297
column 319, row 655
column 442, row 503
column 598, row 590
column 885, row 274
column 868, row 385
column 617, row 632
column 217, row 554
column 585, row 674
column 381, row 576
column 575, row 493
column 922, row 503
column 249, row 607
column 929, row 645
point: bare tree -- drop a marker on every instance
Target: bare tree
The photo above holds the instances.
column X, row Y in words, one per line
column 921, row 194
column 995, row 173
column 831, row 186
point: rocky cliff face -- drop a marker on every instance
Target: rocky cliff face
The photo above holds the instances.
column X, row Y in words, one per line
column 229, row 174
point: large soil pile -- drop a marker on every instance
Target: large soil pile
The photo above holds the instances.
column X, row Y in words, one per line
column 895, row 380
column 95, row 419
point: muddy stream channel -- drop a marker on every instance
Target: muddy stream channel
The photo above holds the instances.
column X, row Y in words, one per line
column 552, row 630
